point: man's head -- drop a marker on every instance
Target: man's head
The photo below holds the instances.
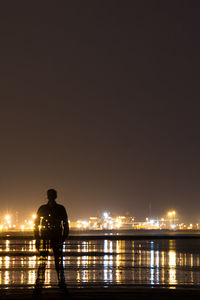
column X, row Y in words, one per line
column 51, row 195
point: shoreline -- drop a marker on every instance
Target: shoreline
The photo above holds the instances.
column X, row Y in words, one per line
column 128, row 234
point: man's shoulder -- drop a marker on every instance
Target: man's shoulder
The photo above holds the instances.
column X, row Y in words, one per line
column 61, row 210
column 60, row 206
column 43, row 207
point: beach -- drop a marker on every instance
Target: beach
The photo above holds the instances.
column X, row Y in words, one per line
column 104, row 293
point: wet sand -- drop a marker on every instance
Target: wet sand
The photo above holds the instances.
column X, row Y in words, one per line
column 104, row 293
column 103, row 269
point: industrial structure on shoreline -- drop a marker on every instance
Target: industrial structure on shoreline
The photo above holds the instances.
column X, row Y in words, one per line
column 105, row 221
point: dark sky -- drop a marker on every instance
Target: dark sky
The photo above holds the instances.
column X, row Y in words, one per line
column 100, row 100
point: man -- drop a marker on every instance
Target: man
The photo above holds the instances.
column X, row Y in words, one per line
column 51, row 230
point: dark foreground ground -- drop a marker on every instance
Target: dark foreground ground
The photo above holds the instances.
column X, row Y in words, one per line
column 104, row 293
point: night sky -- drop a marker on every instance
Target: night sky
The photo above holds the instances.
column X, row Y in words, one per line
column 100, row 100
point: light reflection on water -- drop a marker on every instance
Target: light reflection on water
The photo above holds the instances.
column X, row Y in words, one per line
column 105, row 262
column 172, row 267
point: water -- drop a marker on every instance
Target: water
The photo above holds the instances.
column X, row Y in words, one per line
column 164, row 262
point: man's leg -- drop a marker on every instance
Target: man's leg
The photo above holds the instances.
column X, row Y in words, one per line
column 44, row 251
column 58, row 256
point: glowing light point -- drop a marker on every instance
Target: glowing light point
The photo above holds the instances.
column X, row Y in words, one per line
column 105, row 214
column 7, row 217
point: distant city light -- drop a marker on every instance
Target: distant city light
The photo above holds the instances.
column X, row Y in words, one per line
column 171, row 213
column 7, row 217
column 84, row 224
column 104, row 221
column 118, row 224
column 105, row 214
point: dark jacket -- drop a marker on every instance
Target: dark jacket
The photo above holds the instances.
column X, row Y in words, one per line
column 51, row 222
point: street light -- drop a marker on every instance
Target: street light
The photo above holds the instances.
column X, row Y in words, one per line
column 171, row 215
column 7, row 217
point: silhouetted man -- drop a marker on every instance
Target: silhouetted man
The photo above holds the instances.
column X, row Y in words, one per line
column 51, row 230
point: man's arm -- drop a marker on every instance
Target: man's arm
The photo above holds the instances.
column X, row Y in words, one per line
column 65, row 224
column 36, row 228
